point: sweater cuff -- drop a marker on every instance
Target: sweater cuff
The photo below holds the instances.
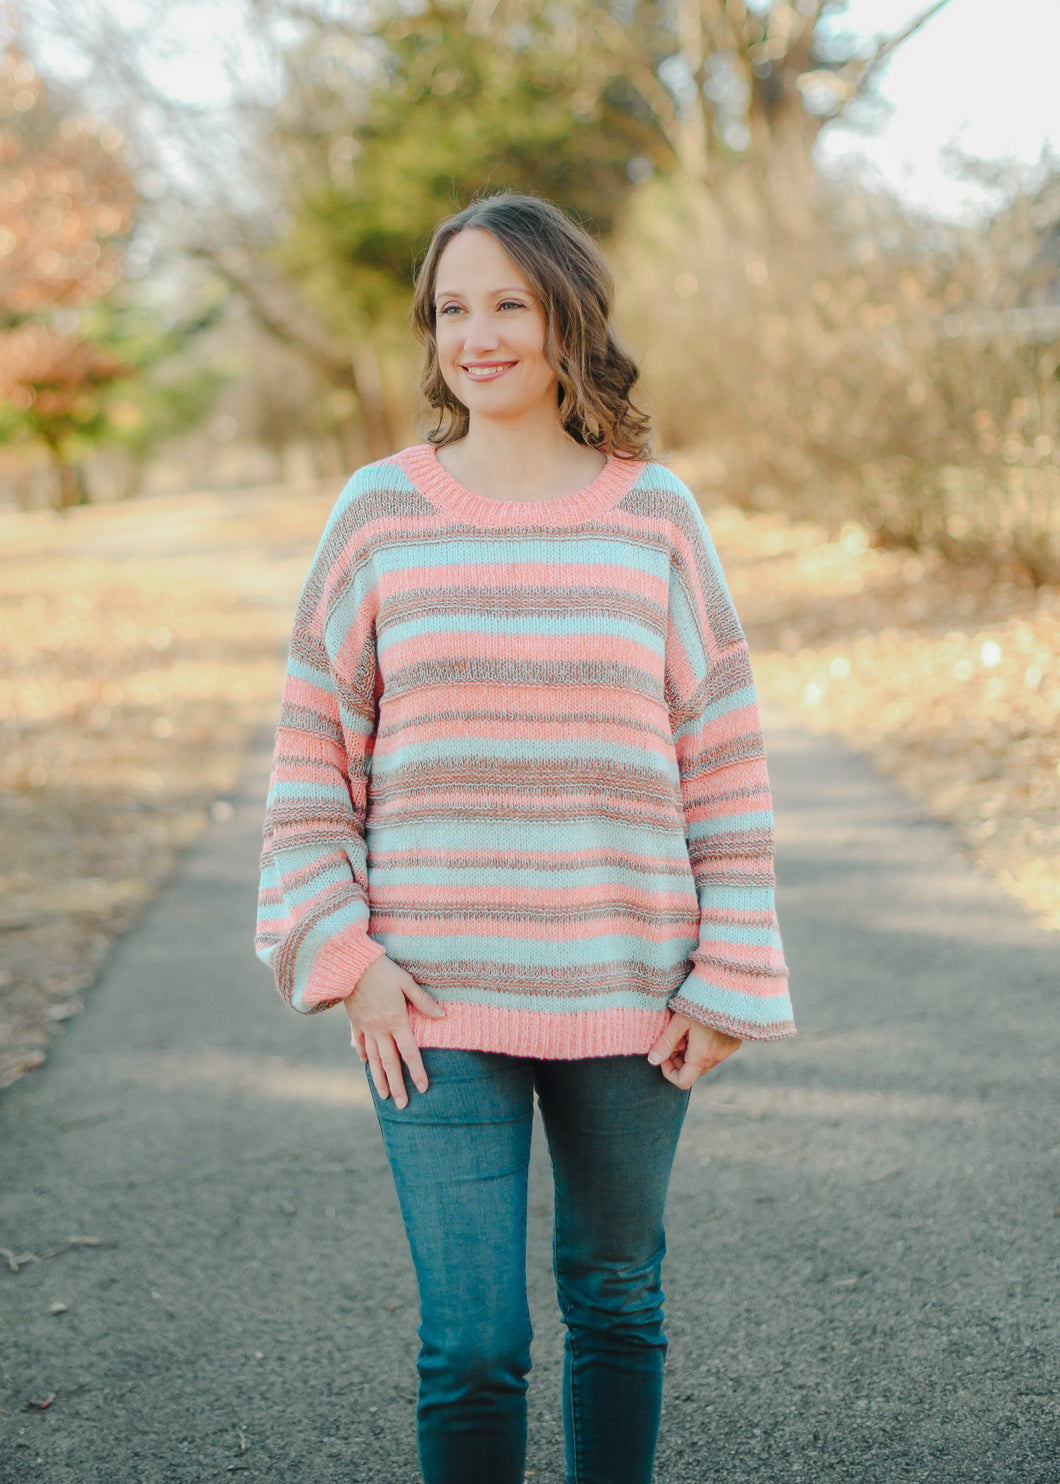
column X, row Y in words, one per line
column 338, row 965
column 764, row 1015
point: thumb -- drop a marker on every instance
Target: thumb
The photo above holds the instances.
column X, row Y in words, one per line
column 424, row 1003
column 668, row 1041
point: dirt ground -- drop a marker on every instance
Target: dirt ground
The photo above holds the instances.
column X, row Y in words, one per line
column 142, row 652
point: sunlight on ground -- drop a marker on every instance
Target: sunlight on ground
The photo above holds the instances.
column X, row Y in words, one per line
column 248, row 1075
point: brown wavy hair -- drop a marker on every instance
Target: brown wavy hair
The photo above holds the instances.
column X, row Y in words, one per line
column 575, row 286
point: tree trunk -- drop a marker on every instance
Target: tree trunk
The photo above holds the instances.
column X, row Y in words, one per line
column 70, row 489
column 379, row 434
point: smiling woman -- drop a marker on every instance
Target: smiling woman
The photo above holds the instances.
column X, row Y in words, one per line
column 519, row 827
column 491, row 331
column 512, row 297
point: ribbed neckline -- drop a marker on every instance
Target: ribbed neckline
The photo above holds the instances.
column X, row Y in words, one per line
column 615, row 479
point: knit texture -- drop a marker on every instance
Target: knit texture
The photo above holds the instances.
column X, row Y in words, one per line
column 520, row 753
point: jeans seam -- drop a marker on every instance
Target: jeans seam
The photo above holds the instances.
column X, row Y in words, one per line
column 575, row 1439
column 576, row 1451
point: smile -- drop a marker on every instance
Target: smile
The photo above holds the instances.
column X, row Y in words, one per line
column 487, row 373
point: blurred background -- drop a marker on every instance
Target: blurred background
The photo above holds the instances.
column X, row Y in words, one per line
column 835, row 229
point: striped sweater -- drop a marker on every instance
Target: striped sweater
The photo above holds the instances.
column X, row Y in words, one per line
column 520, row 753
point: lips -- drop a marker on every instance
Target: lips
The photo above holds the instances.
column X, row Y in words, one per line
column 487, row 371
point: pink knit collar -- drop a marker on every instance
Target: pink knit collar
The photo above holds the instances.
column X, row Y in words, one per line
column 616, row 478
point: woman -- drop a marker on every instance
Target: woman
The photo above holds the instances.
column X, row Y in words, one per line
column 520, row 828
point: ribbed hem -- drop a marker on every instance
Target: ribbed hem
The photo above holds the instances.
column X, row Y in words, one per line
column 551, row 1037
column 747, row 1030
column 337, row 967
column 616, row 478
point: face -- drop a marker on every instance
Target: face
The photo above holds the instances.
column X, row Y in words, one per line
column 490, row 331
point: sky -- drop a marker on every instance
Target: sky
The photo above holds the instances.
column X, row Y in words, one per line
column 981, row 73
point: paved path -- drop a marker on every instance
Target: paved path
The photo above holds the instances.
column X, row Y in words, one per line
column 862, row 1243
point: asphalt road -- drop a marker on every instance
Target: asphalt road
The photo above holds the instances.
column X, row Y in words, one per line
column 862, row 1271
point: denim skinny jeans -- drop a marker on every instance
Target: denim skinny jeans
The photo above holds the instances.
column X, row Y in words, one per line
column 460, row 1154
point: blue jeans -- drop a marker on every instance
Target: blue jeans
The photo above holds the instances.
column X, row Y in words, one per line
column 460, row 1154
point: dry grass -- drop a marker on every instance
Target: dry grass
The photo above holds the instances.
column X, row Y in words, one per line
column 142, row 652
column 946, row 678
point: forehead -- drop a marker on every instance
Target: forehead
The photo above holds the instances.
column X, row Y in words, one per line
column 474, row 258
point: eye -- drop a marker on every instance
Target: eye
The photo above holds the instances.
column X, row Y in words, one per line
column 446, row 308
column 515, row 304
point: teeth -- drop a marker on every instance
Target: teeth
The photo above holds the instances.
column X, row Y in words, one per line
column 482, row 373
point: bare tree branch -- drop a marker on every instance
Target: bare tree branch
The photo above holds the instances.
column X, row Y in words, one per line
column 637, row 70
column 866, row 68
column 282, row 321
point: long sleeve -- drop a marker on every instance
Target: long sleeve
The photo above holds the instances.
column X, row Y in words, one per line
column 313, row 910
column 739, row 980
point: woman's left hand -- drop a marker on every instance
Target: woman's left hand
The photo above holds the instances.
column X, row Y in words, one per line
column 686, row 1049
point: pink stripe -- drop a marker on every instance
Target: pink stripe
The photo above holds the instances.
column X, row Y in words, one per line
column 742, row 722
column 468, row 926
column 746, row 982
column 553, row 576
column 306, row 771
column 480, row 695
column 536, row 648
column 428, row 729
column 751, row 866
column 301, row 692
column 338, row 965
column 443, row 894
column 721, row 809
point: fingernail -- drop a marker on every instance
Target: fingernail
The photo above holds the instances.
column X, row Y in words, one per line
column 654, row 1058
column 421, row 1087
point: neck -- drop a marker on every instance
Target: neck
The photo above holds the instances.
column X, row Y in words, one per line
column 535, row 447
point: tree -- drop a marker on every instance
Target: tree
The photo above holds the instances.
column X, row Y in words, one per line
column 84, row 360
column 348, row 131
column 389, row 120
column 453, row 109
column 66, row 207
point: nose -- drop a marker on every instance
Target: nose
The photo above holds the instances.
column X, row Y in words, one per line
column 480, row 333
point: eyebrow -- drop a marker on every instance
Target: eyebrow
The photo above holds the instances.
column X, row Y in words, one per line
column 454, row 294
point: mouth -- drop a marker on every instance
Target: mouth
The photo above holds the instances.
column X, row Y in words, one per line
column 487, row 372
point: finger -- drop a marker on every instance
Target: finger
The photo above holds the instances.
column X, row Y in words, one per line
column 388, row 1055
column 667, row 1044
column 376, row 1068
column 690, row 1070
column 425, row 1003
column 413, row 1060
column 357, row 1042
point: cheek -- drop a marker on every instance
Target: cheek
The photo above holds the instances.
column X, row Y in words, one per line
column 448, row 355
column 444, row 341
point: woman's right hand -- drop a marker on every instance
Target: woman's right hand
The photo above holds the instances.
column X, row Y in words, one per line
column 379, row 1026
